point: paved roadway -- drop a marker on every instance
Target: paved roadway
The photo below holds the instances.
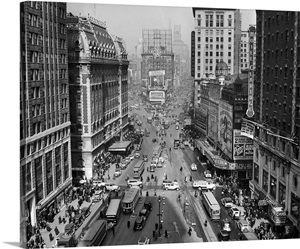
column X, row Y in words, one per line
column 174, row 207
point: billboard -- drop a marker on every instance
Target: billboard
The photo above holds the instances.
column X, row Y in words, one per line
column 242, row 146
column 247, row 129
column 157, row 80
column 225, row 128
column 157, row 96
column 212, row 129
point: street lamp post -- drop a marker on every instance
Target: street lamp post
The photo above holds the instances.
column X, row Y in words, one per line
column 159, row 215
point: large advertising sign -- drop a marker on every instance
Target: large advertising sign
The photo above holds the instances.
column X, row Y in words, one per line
column 201, row 119
column 157, row 96
column 247, row 129
column 156, row 79
column 212, row 130
column 225, row 128
column 242, row 146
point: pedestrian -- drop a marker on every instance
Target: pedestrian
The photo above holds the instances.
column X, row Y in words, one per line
column 113, row 230
column 190, row 231
column 128, row 223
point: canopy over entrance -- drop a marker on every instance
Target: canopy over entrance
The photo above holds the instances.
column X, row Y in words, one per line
column 119, row 146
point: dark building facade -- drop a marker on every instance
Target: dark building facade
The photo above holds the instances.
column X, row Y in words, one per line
column 276, row 123
column 45, row 155
column 98, row 70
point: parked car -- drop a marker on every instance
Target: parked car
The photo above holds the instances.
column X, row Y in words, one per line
column 133, row 182
column 139, row 223
column 117, row 173
column 137, row 155
column 143, row 241
column 123, row 165
column 131, row 156
column 194, row 167
column 227, row 202
column 234, row 213
column 171, row 186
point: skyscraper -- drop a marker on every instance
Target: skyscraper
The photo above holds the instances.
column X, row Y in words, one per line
column 45, row 163
column 276, row 124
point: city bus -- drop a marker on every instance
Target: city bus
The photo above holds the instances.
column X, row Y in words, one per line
column 95, row 234
column 130, row 200
column 176, row 143
column 156, row 151
column 113, row 210
column 212, row 206
column 138, row 169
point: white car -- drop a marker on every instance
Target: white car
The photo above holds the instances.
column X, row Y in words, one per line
column 153, row 164
column 207, row 174
column 133, row 182
column 143, row 241
column 172, row 186
column 186, row 143
column 193, row 167
column 234, row 213
column 137, row 155
column 131, row 157
column 161, row 159
column 155, row 159
column 118, row 172
column 111, row 187
column 244, row 226
column 227, row 202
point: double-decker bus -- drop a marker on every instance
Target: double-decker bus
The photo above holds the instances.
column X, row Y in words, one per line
column 176, row 143
column 113, row 210
column 212, row 206
column 95, row 234
column 138, row 169
column 130, row 200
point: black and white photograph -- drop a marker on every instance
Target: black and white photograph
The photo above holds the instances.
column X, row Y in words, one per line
column 152, row 123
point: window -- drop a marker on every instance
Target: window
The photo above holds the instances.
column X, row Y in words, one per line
column 256, row 173
column 282, row 172
column 265, row 180
column 273, row 185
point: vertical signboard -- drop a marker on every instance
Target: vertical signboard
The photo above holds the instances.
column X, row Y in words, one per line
column 250, row 111
column 225, row 128
column 212, row 129
column 242, row 147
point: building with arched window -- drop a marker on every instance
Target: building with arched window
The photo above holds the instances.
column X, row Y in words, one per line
column 98, row 68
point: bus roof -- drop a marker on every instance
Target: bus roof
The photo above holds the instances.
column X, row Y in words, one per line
column 113, row 207
column 211, row 198
column 130, row 194
column 93, row 230
column 138, row 164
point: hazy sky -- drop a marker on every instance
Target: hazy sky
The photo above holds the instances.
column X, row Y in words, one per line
column 128, row 21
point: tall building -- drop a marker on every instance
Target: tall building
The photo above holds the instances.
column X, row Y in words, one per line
column 98, row 70
column 157, row 63
column 275, row 126
column 45, row 154
column 244, row 55
column 181, row 53
column 217, row 35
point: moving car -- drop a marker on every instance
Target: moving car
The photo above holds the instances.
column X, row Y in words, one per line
column 171, row 186
column 207, row 174
column 133, row 182
column 182, row 146
column 159, row 164
column 131, row 156
column 143, row 241
column 244, row 226
column 161, row 159
column 123, row 164
column 224, row 235
column 144, row 212
column 145, row 158
column 118, row 172
column 227, row 202
column 139, row 223
column 111, row 187
column 193, row 167
column 137, row 155
column 234, row 213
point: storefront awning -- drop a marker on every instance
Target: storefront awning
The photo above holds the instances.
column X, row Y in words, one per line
column 119, row 146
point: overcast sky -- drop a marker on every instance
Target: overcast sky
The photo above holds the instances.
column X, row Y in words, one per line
column 128, row 21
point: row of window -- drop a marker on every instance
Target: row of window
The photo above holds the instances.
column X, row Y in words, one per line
column 219, row 20
column 218, row 39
